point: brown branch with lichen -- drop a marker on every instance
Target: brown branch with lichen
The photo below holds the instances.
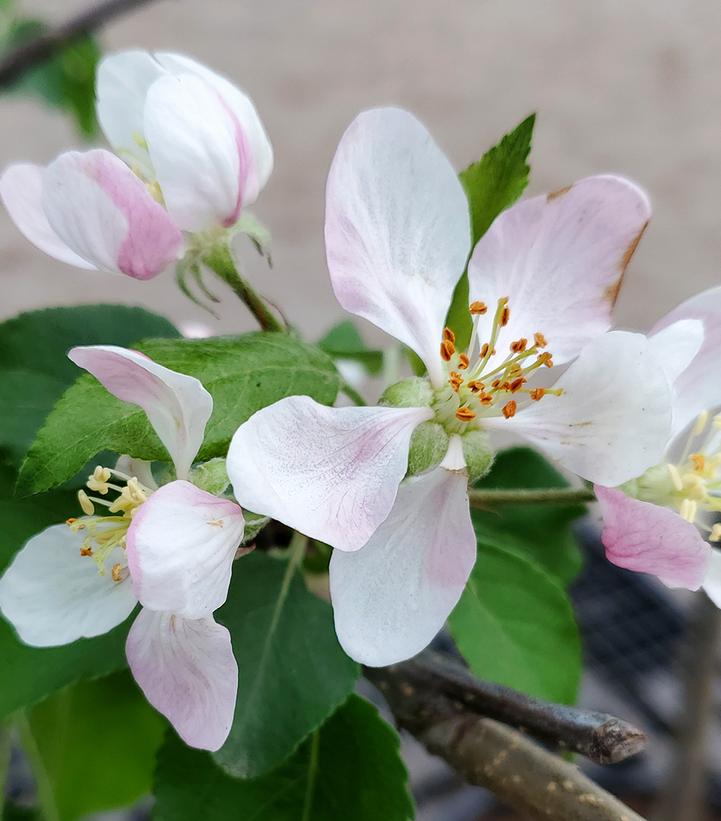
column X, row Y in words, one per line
column 448, row 711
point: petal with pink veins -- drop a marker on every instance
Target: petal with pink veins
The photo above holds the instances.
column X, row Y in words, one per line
column 260, row 151
column 612, row 421
column 397, row 229
column 331, row 473
column 187, row 671
column 696, row 389
column 391, row 597
column 96, row 205
column 180, row 547
column 652, row 539
column 560, row 258
column 199, row 151
column 178, row 406
column 52, row 595
column 21, row 189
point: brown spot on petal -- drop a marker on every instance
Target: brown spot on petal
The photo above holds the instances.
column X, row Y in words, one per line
column 559, row 192
column 611, row 293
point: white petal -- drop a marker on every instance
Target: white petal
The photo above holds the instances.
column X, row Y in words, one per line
column 243, row 110
column 52, row 595
column 122, row 83
column 178, row 406
column 613, row 421
column 199, row 152
column 393, row 596
column 187, row 671
column 560, row 259
column 712, row 582
column 180, row 549
column 96, row 205
column 21, row 189
column 397, row 229
column 696, row 388
column 676, row 345
column 331, row 473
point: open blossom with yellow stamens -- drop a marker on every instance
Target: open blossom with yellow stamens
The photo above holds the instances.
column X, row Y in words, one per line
column 662, row 521
column 170, row 549
column 387, row 486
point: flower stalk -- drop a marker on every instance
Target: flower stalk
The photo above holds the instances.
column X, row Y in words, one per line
column 535, row 496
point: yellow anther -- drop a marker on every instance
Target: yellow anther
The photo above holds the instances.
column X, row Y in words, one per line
column 117, row 572
column 700, row 424
column 539, row 340
column 465, row 414
column 715, row 533
column 509, row 409
column 688, row 510
column 699, row 461
column 86, row 505
column 86, row 550
column 673, row 472
column 478, row 307
column 98, row 482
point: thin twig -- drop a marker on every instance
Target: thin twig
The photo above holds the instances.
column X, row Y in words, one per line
column 490, row 754
column 29, row 54
column 519, row 496
column 600, row 737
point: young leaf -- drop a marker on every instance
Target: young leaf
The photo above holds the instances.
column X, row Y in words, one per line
column 292, row 672
column 32, row 673
column 492, row 184
column 35, row 370
column 343, row 341
column 243, row 374
column 514, row 625
column 97, row 742
column 350, row 769
column 542, row 532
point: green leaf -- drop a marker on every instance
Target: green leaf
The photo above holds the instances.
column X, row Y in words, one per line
column 514, row 625
column 542, row 532
column 97, row 742
column 31, row 673
column 350, row 769
column 343, row 341
column 292, row 672
column 35, row 370
column 243, row 374
column 492, row 184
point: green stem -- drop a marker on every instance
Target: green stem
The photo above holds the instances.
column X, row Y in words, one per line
column 220, row 261
column 524, row 496
column 46, row 798
column 352, row 394
column 312, row 776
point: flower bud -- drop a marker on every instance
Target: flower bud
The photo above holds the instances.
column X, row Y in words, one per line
column 478, row 454
column 429, row 444
column 414, row 392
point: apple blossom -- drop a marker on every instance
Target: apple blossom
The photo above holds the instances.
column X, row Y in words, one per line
column 169, row 548
column 191, row 154
column 662, row 521
column 543, row 281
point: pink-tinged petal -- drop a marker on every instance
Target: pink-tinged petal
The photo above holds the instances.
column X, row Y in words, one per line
column 652, row 539
column 397, row 229
column 141, row 469
column 613, row 420
column 178, row 406
column 122, row 83
column 96, row 205
column 393, row 596
column 712, row 582
column 180, row 547
column 560, row 259
column 260, row 151
column 199, row 152
column 331, row 473
column 696, row 388
column 21, row 189
column 52, row 595
column 676, row 346
column 187, row 671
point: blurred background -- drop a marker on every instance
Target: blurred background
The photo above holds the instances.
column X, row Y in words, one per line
column 622, row 87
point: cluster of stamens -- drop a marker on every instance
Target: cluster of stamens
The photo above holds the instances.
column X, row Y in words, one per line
column 692, row 485
column 479, row 388
column 107, row 532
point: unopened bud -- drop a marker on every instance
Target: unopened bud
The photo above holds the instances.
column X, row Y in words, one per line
column 429, row 444
column 414, row 392
column 478, row 454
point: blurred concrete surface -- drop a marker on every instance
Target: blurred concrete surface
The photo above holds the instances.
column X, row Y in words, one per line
column 625, row 87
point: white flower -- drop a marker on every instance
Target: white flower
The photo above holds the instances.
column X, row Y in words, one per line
column 191, row 154
column 543, row 279
column 171, row 549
